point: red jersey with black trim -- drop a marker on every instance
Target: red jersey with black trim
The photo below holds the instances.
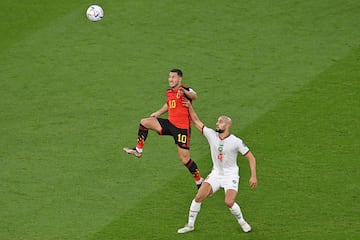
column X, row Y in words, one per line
column 178, row 114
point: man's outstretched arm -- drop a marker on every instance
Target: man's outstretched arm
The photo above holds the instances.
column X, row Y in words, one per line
column 197, row 122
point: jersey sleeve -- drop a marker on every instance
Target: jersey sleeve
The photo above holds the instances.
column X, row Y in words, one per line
column 208, row 132
column 243, row 149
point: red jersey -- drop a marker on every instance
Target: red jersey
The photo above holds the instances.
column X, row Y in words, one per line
column 178, row 114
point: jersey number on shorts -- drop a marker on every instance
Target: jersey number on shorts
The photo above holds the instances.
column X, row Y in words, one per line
column 181, row 138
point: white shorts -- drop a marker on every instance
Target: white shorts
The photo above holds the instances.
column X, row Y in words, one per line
column 220, row 181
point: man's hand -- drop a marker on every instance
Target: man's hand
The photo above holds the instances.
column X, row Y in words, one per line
column 154, row 114
column 253, row 182
column 189, row 94
column 186, row 102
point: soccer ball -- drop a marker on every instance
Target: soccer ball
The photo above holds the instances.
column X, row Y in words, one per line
column 94, row 13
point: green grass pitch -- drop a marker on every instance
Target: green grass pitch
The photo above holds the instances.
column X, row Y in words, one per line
column 73, row 91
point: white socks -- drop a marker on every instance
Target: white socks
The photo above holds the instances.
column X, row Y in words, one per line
column 194, row 210
column 236, row 211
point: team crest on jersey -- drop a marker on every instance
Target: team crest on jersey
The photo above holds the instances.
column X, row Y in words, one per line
column 220, row 149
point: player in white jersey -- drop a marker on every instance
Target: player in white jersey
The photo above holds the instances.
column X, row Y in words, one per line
column 224, row 148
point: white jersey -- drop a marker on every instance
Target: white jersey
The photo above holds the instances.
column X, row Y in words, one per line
column 224, row 152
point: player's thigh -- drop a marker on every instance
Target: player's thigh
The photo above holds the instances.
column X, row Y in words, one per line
column 151, row 123
column 230, row 185
column 230, row 197
column 204, row 191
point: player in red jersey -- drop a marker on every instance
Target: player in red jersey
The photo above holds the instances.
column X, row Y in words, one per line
column 178, row 123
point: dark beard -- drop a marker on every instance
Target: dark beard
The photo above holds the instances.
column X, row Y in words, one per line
column 220, row 130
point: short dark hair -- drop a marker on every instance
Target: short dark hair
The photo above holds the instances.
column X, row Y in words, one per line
column 178, row 71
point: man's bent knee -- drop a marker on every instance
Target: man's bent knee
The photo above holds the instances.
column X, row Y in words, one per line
column 151, row 123
column 145, row 122
column 204, row 191
column 229, row 203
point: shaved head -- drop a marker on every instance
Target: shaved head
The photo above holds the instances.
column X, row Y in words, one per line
column 227, row 120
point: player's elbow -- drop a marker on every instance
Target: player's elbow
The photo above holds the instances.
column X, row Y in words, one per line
column 192, row 96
